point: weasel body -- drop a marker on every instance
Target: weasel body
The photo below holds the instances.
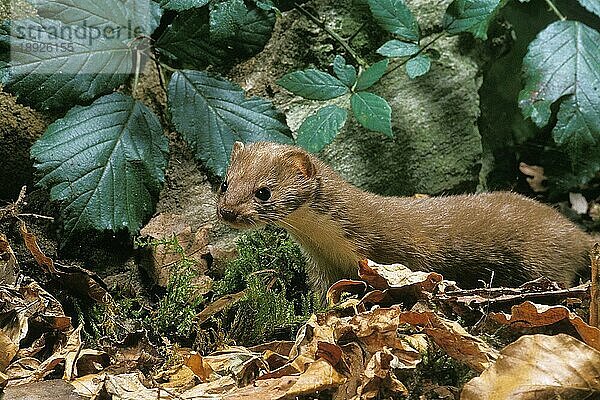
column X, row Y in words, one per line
column 463, row 237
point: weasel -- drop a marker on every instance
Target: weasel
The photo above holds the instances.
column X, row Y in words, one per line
column 463, row 237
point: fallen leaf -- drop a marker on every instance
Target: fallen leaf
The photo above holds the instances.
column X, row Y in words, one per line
column 335, row 291
column 530, row 315
column 9, row 267
column 320, row 375
column 452, row 338
column 540, row 367
column 397, row 277
column 201, row 368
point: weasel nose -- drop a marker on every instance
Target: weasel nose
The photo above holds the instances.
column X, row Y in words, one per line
column 228, row 215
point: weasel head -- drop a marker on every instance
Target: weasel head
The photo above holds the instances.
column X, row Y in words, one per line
column 265, row 182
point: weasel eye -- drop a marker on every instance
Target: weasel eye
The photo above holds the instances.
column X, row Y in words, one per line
column 224, row 187
column 263, row 194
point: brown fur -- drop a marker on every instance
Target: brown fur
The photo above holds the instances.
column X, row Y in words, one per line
column 463, row 237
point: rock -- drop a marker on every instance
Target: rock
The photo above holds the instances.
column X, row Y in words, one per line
column 45, row 390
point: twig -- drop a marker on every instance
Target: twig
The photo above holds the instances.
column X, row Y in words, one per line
column 417, row 53
column 595, row 288
column 555, row 10
column 331, row 33
column 36, row 216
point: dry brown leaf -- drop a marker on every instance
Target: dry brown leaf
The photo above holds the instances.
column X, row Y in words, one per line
column 73, row 278
column 3, row 380
column 530, row 315
column 378, row 376
column 219, row 305
column 540, row 367
column 335, row 291
column 179, row 379
column 272, row 389
column 332, row 353
column 9, row 267
column 8, row 350
column 239, row 362
column 282, row 347
column 134, row 352
column 320, row 375
column 397, row 276
column 35, row 250
column 21, row 370
column 453, row 339
column 305, row 348
column 130, row 387
column 535, row 176
column 201, row 368
column 211, row 390
column 90, row 361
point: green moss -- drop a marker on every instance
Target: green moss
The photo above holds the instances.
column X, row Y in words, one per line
column 270, row 267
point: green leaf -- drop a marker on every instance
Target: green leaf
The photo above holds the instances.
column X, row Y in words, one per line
column 592, row 6
column 188, row 43
column 226, row 17
column 104, row 163
column 74, row 51
column 319, row 130
column 371, row 75
column 212, row 113
column 182, row 5
column 472, row 16
column 70, row 72
column 130, row 18
column 563, row 63
column 345, row 73
column 396, row 48
column 372, row 112
column 395, row 17
column 313, row 84
column 418, row 66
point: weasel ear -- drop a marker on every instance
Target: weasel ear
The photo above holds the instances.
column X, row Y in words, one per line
column 238, row 147
column 302, row 162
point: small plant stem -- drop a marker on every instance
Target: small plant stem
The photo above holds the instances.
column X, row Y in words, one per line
column 331, row 33
column 556, row 11
column 417, row 53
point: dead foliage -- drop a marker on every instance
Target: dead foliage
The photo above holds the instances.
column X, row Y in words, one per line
column 378, row 331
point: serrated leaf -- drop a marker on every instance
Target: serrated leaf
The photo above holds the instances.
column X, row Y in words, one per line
column 313, row 84
column 226, row 17
column 418, row 66
column 395, row 17
column 188, row 42
column 472, row 16
column 72, row 71
column 104, row 163
column 319, row 129
column 345, row 73
column 396, row 48
column 127, row 18
column 592, row 6
column 212, row 113
column 182, row 5
column 372, row 112
column 371, row 75
column 563, row 63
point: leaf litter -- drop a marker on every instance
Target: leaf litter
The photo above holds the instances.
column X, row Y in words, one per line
column 376, row 332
